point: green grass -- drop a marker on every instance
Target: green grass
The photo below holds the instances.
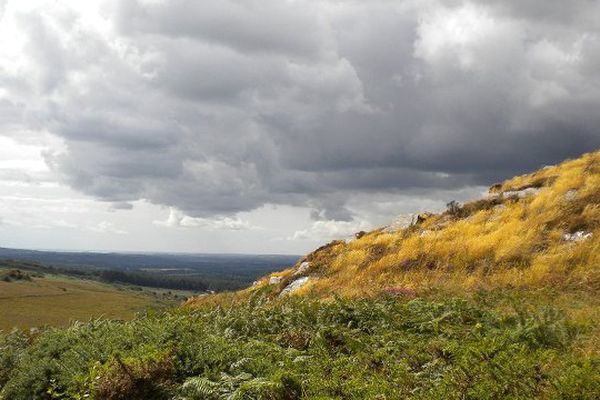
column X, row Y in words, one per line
column 379, row 348
column 56, row 300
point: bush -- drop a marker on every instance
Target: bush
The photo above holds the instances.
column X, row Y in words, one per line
column 378, row 348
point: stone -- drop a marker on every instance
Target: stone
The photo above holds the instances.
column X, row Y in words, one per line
column 577, row 236
column 530, row 191
column 401, row 222
column 295, row 285
column 570, row 195
column 360, row 234
column 304, row 267
column 274, row 280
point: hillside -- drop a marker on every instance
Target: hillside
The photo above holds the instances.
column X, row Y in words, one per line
column 493, row 299
column 533, row 231
column 32, row 299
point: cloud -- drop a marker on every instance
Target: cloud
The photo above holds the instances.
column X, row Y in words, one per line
column 330, row 229
column 178, row 219
column 107, row 227
column 216, row 109
column 121, row 206
column 61, row 223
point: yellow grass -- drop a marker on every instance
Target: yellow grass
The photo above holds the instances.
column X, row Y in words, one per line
column 57, row 300
column 492, row 243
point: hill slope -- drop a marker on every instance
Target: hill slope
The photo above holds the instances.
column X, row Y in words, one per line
column 31, row 298
column 494, row 299
column 535, row 230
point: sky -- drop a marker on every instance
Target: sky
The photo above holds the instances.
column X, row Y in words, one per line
column 273, row 126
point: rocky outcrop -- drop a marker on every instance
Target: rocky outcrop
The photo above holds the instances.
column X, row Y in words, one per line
column 302, row 269
column 577, row 236
column 401, row 222
column 295, row 285
column 521, row 193
column 275, row 280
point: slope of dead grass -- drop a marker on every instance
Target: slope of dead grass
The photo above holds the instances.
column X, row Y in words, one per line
column 504, row 242
column 57, row 300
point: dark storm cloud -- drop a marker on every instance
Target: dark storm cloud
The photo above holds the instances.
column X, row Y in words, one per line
column 216, row 108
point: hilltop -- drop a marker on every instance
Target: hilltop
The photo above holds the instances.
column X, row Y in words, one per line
column 537, row 230
column 496, row 298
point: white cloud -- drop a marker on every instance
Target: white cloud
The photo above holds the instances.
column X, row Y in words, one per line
column 177, row 219
column 327, row 230
column 107, row 227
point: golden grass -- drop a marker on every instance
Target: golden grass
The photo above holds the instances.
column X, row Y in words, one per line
column 501, row 241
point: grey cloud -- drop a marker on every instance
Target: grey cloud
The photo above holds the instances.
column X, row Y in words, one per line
column 121, row 206
column 263, row 26
column 219, row 108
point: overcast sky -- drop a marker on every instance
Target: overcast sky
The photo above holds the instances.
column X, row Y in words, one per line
column 270, row 126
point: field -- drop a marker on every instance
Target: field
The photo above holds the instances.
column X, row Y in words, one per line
column 55, row 300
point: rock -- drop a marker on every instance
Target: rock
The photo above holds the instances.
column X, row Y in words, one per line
column 401, row 222
column 302, row 268
column 274, row 280
column 570, row 195
column 295, row 285
column 530, row 191
column 577, row 236
column 360, row 234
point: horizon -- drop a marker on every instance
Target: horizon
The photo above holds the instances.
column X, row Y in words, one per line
column 273, row 127
column 149, row 253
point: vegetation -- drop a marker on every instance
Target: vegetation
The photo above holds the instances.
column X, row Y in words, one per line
column 379, row 348
column 56, row 300
column 192, row 272
column 14, row 275
column 154, row 280
column 497, row 298
column 521, row 235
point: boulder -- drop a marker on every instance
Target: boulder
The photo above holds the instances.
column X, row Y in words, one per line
column 295, row 285
column 304, row 267
column 401, row 222
column 577, row 236
column 521, row 193
column 570, row 195
column 360, row 234
column 274, row 280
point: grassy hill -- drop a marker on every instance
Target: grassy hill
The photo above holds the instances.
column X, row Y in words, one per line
column 32, row 299
column 494, row 299
column 532, row 231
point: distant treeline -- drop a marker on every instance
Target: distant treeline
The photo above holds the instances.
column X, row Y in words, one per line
column 153, row 279
column 199, row 272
